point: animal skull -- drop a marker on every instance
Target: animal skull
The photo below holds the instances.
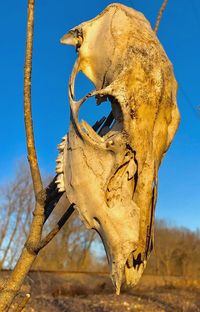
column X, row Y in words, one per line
column 111, row 174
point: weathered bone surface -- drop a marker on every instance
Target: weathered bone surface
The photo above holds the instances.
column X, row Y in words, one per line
column 111, row 174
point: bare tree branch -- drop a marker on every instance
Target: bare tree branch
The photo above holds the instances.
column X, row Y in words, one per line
column 23, row 303
column 11, row 238
column 14, row 282
column 33, row 243
column 44, row 204
column 163, row 6
column 6, row 225
column 32, row 156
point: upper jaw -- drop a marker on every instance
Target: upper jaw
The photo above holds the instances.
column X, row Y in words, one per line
column 126, row 262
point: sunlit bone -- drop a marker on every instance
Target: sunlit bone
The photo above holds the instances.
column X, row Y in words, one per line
column 111, row 174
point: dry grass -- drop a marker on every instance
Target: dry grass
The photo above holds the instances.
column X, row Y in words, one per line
column 89, row 292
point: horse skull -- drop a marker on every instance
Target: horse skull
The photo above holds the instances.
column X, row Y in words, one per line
column 111, row 174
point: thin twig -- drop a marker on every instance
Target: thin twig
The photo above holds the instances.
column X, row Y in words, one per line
column 34, row 243
column 32, row 156
column 163, row 6
column 11, row 238
column 28, row 255
column 23, row 303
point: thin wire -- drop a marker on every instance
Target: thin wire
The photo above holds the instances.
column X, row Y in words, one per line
column 195, row 112
column 187, row 100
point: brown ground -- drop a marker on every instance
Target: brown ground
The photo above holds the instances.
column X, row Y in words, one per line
column 80, row 292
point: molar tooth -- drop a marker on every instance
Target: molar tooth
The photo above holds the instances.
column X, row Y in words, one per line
column 61, row 146
column 61, row 188
column 64, row 137
column 60, row 183
column 59, row 178
column 59, row 168
column 59, row 158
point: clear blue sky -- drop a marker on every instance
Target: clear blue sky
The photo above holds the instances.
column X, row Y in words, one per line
column 179, row 32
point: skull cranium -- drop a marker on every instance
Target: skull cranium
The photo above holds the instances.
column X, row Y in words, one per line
column 111, row 174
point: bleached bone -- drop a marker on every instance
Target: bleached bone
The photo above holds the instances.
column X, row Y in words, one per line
column 111, row 175
column 60, row 165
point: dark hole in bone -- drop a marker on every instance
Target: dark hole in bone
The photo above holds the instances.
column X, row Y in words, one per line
column 136, row 162
column 97, row 220
column 135, row 263
column 138, row 261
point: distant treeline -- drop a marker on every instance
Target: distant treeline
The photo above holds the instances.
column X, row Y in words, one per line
column 176, row 250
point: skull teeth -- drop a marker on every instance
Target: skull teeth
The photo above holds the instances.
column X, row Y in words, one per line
column 59, row 158
column 64, row 138
column 59, row 178
column 61, row 146
column 61, row 187
column 60, row 183
column 60, row 167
